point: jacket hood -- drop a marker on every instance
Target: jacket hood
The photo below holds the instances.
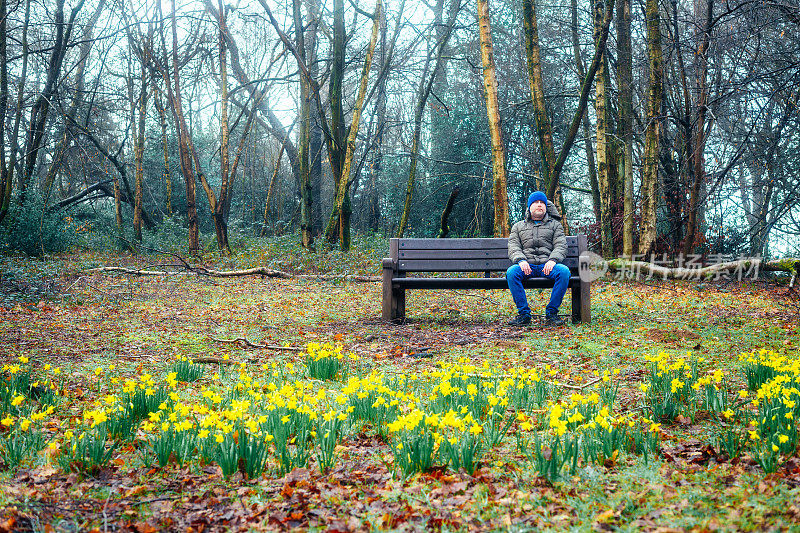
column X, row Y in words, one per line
column 552, row 211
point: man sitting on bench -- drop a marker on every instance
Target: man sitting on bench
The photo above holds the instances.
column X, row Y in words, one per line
column 537, row 247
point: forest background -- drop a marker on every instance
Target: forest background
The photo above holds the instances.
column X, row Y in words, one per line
column 657, row 127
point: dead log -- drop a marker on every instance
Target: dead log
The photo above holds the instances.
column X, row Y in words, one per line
column 258, row 271
column 741, row 269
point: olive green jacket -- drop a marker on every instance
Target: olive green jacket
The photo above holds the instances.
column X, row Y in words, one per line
column 538, row 242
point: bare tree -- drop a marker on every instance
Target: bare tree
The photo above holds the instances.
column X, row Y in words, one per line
column 652, row 129
column 501, row 220
column 341, row 209
column 185, row 148
column 423, row 92
column 552, row 173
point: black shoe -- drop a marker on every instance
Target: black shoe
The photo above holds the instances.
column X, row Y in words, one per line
column 520, row 320
column 553, row 321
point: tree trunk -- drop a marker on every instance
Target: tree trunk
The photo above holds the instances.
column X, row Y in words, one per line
column 220, row 211
column 373, row 198
column 444, row 228
column 698, row 158
column 585, row 117
column 625, row 77
column 138, row 121
column 337, row 125
column 306, row 191
column 652, row 137
column 7, row 175
column 184, row 141
column 422, row 98
column 605, row 167
column 529, row 21
column 544, row 129
column 315, row 143
column 439, row 136
column 4, row 181
column 167, row 173
column 220, row 220
column 273, row 123
column 41, row 108
column 675, row 182
column 501, row 218
column 341, row 210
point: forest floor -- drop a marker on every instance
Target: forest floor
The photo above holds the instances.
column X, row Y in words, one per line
column 101, row 330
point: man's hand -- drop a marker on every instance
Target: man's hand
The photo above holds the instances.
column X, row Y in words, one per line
column 526, row 268
column 547, row 267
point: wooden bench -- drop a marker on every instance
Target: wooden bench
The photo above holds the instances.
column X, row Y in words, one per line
column 468, row 255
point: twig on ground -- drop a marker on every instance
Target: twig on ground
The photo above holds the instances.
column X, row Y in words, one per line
column 250, row 344
column 257, row 271
column 213, row 360
column 579, row 387
column 74, row 283
column 541, row 358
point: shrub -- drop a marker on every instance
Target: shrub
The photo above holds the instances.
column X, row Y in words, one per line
column 171, row 235
column 35, row 231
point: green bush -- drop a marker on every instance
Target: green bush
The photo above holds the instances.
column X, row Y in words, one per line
column 171, row 235
column 96, row 227
column 35, row 231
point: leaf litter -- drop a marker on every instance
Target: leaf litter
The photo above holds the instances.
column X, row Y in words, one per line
column 139, row 325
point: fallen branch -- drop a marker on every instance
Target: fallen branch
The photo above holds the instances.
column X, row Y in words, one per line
column 258, row 271
column 578, row 387
column 250, row 344
column 742, row 267
column 134, row 271
column 75, row 283
column 213, row 360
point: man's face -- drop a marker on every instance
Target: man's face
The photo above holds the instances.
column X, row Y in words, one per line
column 538, row 210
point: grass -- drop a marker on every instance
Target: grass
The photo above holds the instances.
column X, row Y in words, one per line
column 141, row 324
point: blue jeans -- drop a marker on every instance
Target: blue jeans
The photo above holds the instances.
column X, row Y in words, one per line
column 559, row 275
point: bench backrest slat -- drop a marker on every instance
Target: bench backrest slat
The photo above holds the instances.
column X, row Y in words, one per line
column 453, row 244
column 470, row 253
column 462, row 255
column 464, row 265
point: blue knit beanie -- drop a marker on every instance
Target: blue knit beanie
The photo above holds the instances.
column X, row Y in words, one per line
column 538, row 196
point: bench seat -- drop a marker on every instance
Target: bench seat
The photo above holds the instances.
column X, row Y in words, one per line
column 473, row 283
column 460, row 256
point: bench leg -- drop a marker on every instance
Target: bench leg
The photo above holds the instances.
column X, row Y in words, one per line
column 581, row 303
column 394, row 300
column 400, row 304
column 394, row 304
column 576, row 303
column 586, row 302
column 387, row 302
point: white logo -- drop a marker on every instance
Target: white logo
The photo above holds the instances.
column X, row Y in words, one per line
column 591, row 266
